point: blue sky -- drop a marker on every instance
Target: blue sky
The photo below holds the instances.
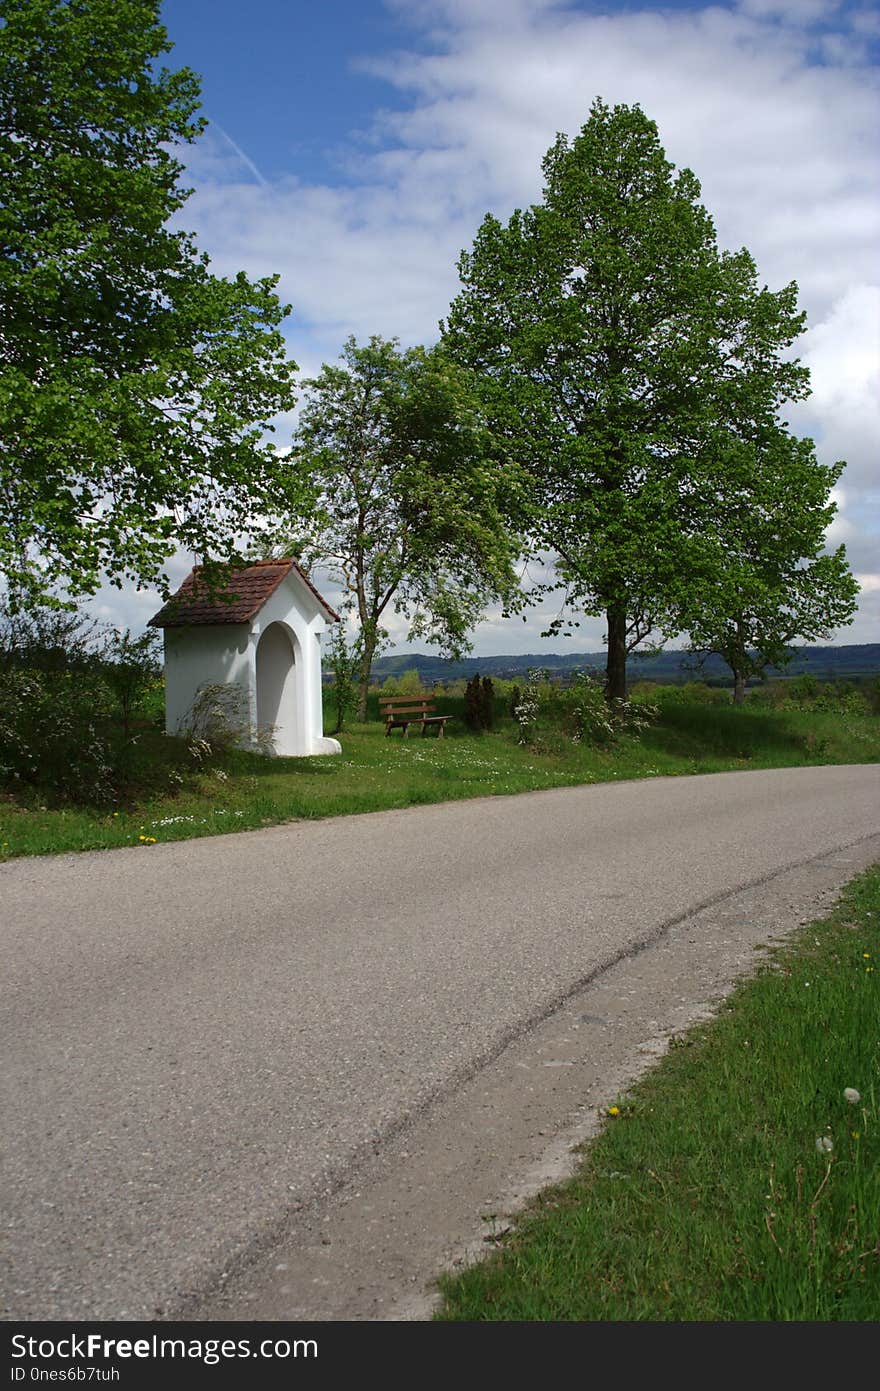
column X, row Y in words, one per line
column 283, row 78
column 355, row 147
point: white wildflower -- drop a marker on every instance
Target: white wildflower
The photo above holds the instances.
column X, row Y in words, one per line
column 851, row 1095
column 824, row 1144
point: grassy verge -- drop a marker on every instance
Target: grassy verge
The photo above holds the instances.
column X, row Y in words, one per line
column 737, row 1181
column 175, row 800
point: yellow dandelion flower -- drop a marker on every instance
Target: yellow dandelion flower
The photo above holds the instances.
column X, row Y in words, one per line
column 614, row 1110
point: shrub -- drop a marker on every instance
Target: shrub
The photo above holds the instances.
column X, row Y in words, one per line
column 591, row 717
column 805, row 692
column 689, row 693
column 595, row 720
column 409, row 683
column 525, row 712
column 479, row 704
column 54, row 733
column 473, row 706
column 487, row 703
column 871, row 692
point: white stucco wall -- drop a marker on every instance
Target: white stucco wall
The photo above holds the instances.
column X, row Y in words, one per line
column 197, row 657
column 227, row 653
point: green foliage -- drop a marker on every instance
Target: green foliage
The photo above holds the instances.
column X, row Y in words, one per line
column 871, row 692
column 135, row 386
column 615, row 346
column 54, row 734
column 487, row 703
column 806, row 693
column 131, row 667
column 592, row 717
column 47, row 638
column 408, row 683
column 598, row 720
column 343, row 657
column 67, row 682
column 689, row 693
column 527, row 709
column 580, row 710
column 413, row 494
column 766, row 582
column 479, row 704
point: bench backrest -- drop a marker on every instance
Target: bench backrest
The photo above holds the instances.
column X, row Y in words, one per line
column 405, row 705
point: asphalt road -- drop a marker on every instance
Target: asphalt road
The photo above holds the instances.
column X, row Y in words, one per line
column 199, row 1037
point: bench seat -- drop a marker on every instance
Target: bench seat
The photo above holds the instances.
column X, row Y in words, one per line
column 399, row 712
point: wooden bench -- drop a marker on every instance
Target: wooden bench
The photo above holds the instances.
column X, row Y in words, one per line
column 399, row 712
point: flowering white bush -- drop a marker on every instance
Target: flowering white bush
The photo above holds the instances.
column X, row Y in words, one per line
column 525, row 712
column 219, row 720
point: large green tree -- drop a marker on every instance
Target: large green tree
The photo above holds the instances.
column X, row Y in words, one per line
column 414, row 496
column 614, row 341
column 135, row 386
column 766, row 580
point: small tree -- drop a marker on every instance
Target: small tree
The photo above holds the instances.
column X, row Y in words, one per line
column 130, row 666
column 343, row 657
column 766, row 583
column 413, row 495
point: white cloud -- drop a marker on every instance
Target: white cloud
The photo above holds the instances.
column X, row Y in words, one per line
column 803, row 12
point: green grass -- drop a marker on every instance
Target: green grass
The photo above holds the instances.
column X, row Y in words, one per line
column 706, row 1197
column 169, row 798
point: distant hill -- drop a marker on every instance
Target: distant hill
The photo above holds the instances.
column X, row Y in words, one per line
column 825, row 663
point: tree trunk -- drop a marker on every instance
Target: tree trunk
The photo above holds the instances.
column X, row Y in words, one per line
column 615, row 670
column 364, row 683
column 739, row 686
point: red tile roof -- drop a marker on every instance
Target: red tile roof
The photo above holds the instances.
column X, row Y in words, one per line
column 244, row 594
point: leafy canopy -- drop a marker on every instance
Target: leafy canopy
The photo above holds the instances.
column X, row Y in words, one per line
column 135, row 386
column 413, row 494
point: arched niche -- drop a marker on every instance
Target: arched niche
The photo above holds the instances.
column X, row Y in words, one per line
column 276, row 686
